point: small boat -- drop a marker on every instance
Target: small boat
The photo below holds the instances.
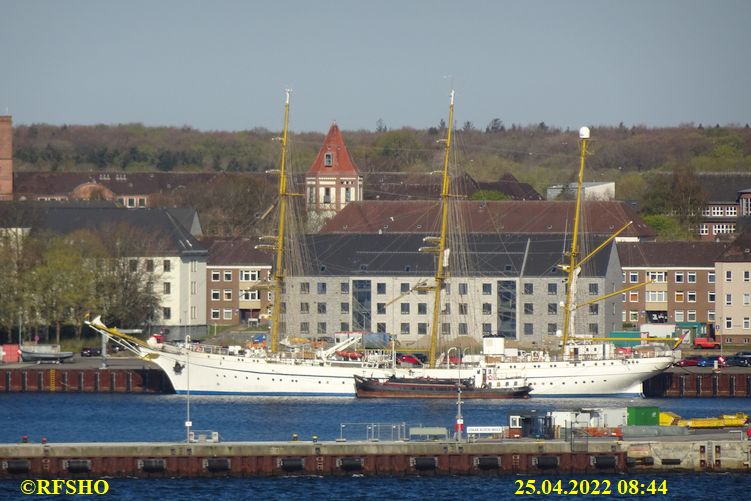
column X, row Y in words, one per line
column 55, row 357
column 402, row 387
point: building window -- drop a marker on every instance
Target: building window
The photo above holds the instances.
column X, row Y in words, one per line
column 446, row 329
column 344, row 326
column 344, row 287
column 344, row 308
column 167, row 288
column 552, row 308
column 552, row 289
column 462, row 289
column 228, row 294
column 691, row 277
column 679, row 296
column 150, row 265
column 381, row 308
column 633, row 297
column 487, row 289
column 657, row 296
column 679, row 315
column 304, row 288
column 529, row 309
column 703, row 229
column 593, row 289
column 214, row 314
column 710, row 277
column 167, row 313
column 529, row 289
column 633, row 277
column 710, row 297
column 380, row 288
column 167, row 265
column 746, row 298
column 633, row 316
column 215, row 294
column 321, row 328
column 321, row 287
column 422, row 328
column 215, row 275
column 657, row 277
column 462, row 329
column 691, row 315
column 729, row 322
column 529, row 329
column 304, row 328
column 404, row 308
column 404, row 328
column 710, row 316
column 728, row 276
column 487, row 329
column 227, row 275
column 446, row 309
column 463, row 309
column 328, row 159
column 322, row 308
column 728, row 299
column 594, row 329
column 380, row 327
column 691, row 296
column 228, row 313
column 594, row 309
column 487, row 309
column 404, row 288
column 746, row 323
column 746, row 276
column 422, row 308
column 305, row 308
column 679, row 277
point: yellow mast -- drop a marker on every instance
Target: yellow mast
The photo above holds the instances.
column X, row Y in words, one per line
column 277, row 244
column 573, row 267
column 440, row 249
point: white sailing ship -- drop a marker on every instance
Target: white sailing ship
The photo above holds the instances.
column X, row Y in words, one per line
column 588, row 366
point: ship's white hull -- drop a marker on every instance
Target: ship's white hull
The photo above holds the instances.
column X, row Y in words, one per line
column 203, row 373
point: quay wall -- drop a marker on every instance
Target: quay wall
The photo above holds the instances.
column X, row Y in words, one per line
column 96, row 460
column 56, row 379
column 704, row 383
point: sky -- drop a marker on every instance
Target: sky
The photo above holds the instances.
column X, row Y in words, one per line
column 224, row 64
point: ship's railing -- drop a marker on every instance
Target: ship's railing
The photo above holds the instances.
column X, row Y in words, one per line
column 373, row 432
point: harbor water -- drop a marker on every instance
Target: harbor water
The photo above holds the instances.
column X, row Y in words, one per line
column 135, row 417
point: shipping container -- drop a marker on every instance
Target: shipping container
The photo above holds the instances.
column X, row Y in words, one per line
column 643, row 416
column 9, row 353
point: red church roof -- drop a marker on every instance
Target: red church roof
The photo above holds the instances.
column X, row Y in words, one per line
column 333, row 157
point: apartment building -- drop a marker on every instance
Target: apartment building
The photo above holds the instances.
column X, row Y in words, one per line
column 733, row 287
column 238, row 278
column 682, row 280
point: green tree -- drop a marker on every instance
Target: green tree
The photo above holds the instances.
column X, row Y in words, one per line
column 489, row 195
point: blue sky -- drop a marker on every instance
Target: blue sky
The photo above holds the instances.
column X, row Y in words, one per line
column 223, row 64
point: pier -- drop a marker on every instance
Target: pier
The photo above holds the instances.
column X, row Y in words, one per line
column 699, row 382
column 717, row 452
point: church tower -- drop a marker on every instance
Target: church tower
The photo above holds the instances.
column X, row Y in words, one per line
column 332, row 180
column 6, row 158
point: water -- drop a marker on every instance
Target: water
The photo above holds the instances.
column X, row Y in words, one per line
column 131, row 417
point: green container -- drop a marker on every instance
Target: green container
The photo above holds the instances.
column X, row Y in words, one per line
column 643, row 416
column 635, row 335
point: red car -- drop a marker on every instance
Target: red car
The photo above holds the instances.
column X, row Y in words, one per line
column 691, row 361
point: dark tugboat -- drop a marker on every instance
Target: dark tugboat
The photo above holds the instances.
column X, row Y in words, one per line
column 395, row 387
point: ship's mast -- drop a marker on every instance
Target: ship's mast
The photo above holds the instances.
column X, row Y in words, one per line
column 573, row 268
column 277, row 241
column 438, row 245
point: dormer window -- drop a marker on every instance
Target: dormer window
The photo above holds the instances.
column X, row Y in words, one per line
column 328, row 159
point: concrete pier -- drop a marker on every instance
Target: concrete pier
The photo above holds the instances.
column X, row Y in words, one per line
column 712, row 452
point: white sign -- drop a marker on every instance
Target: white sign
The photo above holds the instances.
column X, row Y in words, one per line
column 478, row 430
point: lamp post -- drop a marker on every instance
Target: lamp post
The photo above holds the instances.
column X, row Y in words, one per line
column 188, row 422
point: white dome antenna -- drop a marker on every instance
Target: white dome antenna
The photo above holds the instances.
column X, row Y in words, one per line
column 584, row 133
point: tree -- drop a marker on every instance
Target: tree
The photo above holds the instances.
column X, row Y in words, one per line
column 489, row 195
column 688, row 198
column 495, row 125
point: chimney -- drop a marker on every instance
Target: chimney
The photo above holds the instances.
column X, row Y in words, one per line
column 6, row 157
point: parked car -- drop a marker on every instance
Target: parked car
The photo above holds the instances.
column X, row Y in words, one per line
column 709, row 361
column 736, row 361
column 91, row 351
column 691, row 361
column 744, row 354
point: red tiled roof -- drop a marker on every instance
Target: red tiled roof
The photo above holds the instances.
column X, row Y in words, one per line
column 341, row 162
column 601, row 218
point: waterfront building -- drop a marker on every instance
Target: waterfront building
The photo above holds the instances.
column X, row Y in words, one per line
column 733, row 285
column 506, row 285
column 237, row 277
